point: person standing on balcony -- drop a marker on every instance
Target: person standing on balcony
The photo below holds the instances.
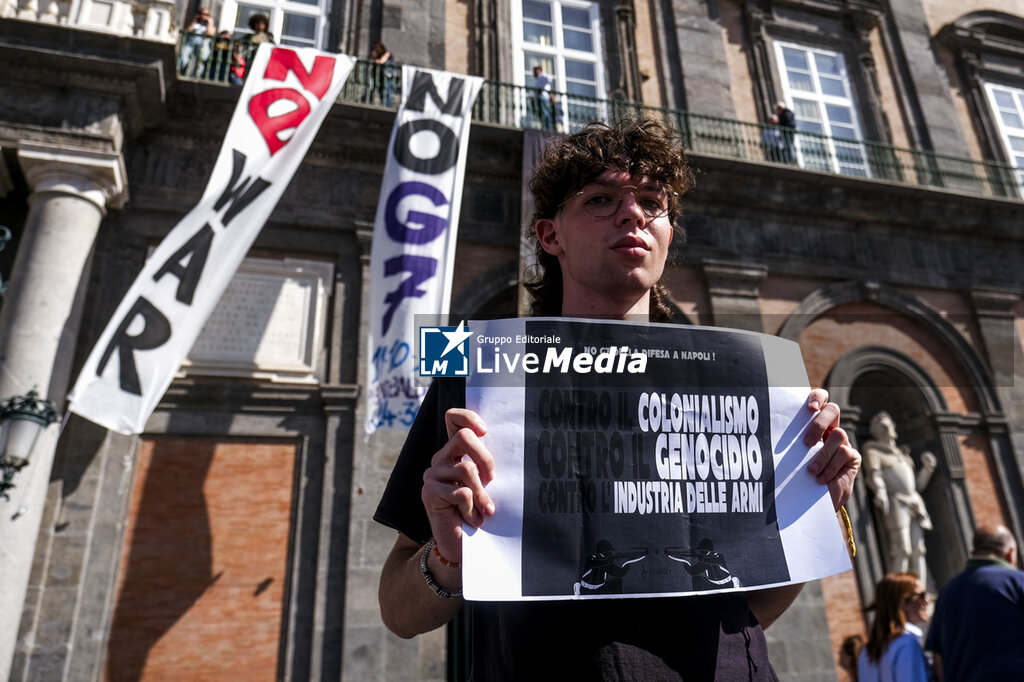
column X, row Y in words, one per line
column 606, row 208
column 544, row 97
column 259, row 23
column 225, row 50
column 771, row 140
column 382, row 78
column 787, row 124
column 197, row 44
column 237, row 75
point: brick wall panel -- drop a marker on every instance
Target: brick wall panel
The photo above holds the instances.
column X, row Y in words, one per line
column 203, row 567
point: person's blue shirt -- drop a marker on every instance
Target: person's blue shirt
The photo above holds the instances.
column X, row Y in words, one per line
column 902, row 660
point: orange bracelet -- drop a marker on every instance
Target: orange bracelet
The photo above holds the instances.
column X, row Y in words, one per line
column 445, row 562
column 429, row 578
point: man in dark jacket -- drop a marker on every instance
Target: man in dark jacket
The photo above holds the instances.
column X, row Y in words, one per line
column 977, row 632
column 787, row 125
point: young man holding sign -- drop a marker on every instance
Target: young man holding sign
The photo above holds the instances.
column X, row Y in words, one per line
column 607, row 203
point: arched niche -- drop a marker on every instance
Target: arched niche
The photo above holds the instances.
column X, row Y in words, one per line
column 872, row 379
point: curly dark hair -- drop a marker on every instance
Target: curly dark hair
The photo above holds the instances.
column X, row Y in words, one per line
column 640, row 147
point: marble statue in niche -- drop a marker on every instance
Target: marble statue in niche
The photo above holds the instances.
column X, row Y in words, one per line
column 897, row 484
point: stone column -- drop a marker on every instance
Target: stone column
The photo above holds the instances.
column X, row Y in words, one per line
column 994, row 311
column 372, row 652
column 71, row 190
column 958, row 530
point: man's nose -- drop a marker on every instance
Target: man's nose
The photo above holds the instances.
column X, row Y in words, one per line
column 629, row 207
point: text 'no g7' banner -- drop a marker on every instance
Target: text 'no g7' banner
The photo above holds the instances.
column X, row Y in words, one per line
column 414, row 235
column 285, row 99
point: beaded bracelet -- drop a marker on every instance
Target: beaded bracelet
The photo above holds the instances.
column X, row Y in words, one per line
column 431, row 546
column 445, row 562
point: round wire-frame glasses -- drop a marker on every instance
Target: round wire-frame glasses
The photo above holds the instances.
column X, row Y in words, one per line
column 603, row 200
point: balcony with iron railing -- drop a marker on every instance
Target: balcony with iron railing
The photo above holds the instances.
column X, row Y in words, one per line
column 517, row 106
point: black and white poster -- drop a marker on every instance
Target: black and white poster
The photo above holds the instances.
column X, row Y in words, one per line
column 643, row 460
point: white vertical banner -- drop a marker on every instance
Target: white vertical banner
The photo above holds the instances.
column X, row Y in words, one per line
column 286, row 97
column 414, row 235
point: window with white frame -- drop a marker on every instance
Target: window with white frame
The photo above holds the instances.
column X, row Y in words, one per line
column 293, row 22
column 816, row 85
column 563, row 37
column 1008, row 106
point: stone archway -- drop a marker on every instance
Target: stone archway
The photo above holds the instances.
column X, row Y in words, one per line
column 878, row 370
column 819, row 302
column 871, row 379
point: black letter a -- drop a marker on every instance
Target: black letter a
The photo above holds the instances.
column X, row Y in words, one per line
column 195, row 250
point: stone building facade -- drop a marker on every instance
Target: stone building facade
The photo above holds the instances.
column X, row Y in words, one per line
column 233, row 538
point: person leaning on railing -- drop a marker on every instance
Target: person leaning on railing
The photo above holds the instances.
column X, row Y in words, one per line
column 228, row 60
column 196, row 45
column 382, row 74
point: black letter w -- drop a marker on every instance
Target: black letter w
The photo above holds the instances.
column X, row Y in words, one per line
column 242, row 194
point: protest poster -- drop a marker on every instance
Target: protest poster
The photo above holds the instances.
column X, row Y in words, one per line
column 414, row 235
column 643, row 460
column 287, row 94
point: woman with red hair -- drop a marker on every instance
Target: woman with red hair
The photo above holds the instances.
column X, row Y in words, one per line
column 893, row 652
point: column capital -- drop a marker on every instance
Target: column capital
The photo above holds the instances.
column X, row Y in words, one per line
column 96, row 176
column 741, row 280
column 995, row 303
column 734, row 293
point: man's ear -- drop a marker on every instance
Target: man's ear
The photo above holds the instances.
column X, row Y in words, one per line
column 547, row 236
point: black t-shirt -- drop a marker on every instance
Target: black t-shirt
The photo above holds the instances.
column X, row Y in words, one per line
column 713, row 637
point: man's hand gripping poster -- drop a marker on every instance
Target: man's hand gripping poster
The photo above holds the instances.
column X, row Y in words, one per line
column 643, row 460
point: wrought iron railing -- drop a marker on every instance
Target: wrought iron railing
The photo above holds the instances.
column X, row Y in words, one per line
column 515, row 106
column 217, row 59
